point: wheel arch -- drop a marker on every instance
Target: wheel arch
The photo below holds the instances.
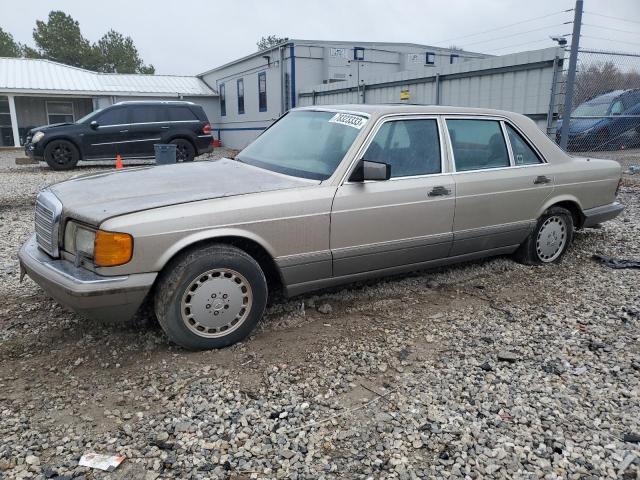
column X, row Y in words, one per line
column 67, row 138
column 183, row 136
column 568, row 202
column 246, row 241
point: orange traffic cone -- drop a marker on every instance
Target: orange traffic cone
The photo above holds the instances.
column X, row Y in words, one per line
column 118, row 162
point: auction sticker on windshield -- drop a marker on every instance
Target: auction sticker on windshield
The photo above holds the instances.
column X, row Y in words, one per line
column 355, row 121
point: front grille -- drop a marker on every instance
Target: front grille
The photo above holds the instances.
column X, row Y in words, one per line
column 47, row 222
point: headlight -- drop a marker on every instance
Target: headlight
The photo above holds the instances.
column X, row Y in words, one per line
column 106, row 249
column 37, row 137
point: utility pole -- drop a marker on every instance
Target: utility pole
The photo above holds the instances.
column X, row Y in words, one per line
column 571, row 75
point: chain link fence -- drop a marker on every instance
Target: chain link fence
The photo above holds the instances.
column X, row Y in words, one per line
column 606, row 102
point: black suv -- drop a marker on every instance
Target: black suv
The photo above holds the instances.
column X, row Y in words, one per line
column 129, row 129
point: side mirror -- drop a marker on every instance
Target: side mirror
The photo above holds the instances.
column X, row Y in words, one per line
column 94, row 124
column 374, row 171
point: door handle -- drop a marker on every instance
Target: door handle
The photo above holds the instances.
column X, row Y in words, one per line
column 541, row 179
column 124, row 131
column 165, row 128
column 439, row 191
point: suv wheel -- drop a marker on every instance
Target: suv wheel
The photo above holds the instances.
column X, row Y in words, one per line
column 61, row 155
column 549, row 240
column 212, row 297
column 184, row 150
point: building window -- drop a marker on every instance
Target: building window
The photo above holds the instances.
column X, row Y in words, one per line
column 430, row 58
column 358, row 53
column 240, row 86
column 453, row 58
column 262, row 91
column 60, row 112
column 223, row 101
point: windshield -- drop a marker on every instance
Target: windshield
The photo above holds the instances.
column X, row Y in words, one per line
column 305, row 143
column 592, row 109
column 87, row 118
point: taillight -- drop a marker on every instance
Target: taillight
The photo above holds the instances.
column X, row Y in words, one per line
column 206, row 129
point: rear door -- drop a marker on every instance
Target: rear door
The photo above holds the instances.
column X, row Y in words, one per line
column 501, row 184
column 402, row 221
column 108, row 138
column 148, row 124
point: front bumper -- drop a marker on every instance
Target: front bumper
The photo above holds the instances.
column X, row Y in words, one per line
column 92, row 295
column 594, row 216
column 32, row 152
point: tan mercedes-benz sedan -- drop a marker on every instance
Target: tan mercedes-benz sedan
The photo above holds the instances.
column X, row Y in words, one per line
column 326, row 195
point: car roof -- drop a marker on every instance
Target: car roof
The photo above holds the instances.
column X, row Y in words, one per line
column 610, row 96
column 389, row 108
column 154, row 102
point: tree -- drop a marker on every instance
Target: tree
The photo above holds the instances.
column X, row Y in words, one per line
column 270, row 41
column 8, row 46
column 119, row 55
column 60, row 39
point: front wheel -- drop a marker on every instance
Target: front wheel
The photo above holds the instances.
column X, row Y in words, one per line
column 184, row 150
column 210, row 298
column 549, row 241
column 61, row 155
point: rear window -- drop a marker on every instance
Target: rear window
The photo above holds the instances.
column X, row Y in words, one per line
column 477, row 144
column 179, row 114
column 147, row 114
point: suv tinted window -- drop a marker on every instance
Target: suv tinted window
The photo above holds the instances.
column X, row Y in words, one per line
column 477, row 144
column 523, row 154
column 113, row 116
column 411, row 147
column 177, row 114
column 148, row 113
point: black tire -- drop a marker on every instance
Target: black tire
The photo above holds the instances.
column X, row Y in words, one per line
column 539, row 250
column 61, row 155
column 175, row 286
column 185, row 151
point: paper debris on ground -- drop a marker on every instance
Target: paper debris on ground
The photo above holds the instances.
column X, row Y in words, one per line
column 107, row 463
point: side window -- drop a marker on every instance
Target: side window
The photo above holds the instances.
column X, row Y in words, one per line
column 523, row 154
column 223, row 101
column 477, row 144
column 178, row 114
column 262, row 91
column 114, row 116
column 617, row 108
column 148, row 114
column 411, row 147
column 240, row 86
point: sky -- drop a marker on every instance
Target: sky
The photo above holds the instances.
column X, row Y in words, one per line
column 189, row 37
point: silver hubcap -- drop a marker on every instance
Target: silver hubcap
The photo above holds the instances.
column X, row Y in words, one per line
column 552, row 238
column 216, row 303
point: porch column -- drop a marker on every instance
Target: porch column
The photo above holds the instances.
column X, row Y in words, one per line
column 14, row 120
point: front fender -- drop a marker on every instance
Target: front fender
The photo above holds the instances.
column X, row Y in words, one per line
column 210, row 234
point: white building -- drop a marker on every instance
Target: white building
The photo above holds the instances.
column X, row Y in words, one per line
column 255, row 90
column 36, row 92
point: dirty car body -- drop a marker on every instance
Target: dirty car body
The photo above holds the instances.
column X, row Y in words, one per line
column 327, row 195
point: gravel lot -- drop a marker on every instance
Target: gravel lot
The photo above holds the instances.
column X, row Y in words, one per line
column 482, row 370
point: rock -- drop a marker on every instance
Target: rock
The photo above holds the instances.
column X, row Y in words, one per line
column 631, row 437
column 506, row 356
column 486, row 367
column 32, row 460
column 325, row 308
column 164, row 436
column 183, row 426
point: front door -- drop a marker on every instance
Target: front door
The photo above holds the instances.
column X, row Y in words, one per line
column 107, row 139
column 501, row 184
column 402, row 221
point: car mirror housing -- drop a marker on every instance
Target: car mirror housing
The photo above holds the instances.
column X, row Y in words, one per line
column 94, row 124
column 372, row 171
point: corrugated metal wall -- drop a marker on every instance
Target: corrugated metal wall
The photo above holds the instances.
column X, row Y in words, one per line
column 519, row 82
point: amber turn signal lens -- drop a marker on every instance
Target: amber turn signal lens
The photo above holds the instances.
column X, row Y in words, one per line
column 112, row 249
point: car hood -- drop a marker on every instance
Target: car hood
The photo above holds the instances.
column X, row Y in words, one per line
column 95, row 198
column 53, row 126
column 580, row 125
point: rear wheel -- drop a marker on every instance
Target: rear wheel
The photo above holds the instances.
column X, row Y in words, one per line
column 61, row 155
column 184, row 150
column 211, row 297
column 549, row 240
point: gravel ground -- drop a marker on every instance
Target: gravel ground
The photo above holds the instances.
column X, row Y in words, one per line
column 482, row 370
